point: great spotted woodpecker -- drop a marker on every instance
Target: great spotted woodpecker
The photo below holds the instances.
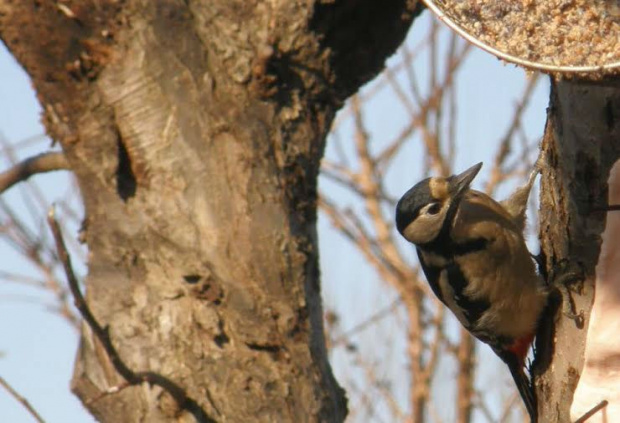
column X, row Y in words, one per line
column 473, row 253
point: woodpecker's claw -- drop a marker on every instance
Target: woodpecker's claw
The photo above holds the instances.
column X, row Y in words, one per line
column 567, row 277
column 567, row 273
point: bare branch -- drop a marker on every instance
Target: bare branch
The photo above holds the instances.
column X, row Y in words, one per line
column 374, row 318
column 498, row 172
column 45, row 162
column 23, row 401
column 513, row 400
column 598, row 407
column 439, row 339
column 17, row 233
column 483, row 408
column 465, row 378
column 374, row 192
column 344, row 178
column 419, row 118
column 380, row 386
column 350, row 225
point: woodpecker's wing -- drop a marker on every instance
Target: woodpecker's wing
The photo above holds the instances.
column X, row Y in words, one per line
column 432, row 274
column 448, row 283
column 472, row 309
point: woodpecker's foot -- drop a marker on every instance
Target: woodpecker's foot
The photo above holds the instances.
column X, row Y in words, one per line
column 578, row 318
column 567, row 273
column 567, row 278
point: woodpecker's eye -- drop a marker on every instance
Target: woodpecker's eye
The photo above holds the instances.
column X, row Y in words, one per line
column 433, row 209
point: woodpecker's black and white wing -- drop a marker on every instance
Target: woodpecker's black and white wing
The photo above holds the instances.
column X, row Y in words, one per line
column 449, row 285
column 431, row 271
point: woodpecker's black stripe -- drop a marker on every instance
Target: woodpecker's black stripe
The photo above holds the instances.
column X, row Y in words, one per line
column 472, row 309
column 443, row 237
column 449, row 249
column 469, row 246
column 446, row 248
column 432, row 276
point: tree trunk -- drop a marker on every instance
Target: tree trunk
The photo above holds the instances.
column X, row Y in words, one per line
column 581, row 144
column 195, row 131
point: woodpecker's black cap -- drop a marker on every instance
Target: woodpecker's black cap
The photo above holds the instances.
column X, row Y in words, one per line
column 411, row 202
column 432, row 190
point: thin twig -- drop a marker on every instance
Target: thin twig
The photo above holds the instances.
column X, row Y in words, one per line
column 374, row 318
column 497, row 175
column 381, row 387
column 351, row 226
column 17, row 233
column 366, row 95
column 439, row 339
column 509, row 405
column 598, row 407
column 366, row 402
column 24, row 143
column 341, row 177
column 45, row 162
column 132, row 378
column 23, row 401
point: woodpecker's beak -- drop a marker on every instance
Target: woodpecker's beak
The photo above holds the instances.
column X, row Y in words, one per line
column 460, row 182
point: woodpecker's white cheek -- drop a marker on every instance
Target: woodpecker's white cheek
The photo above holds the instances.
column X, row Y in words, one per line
column 425, row 228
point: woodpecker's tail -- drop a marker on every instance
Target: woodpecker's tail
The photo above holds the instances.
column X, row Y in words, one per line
column 526, row 391
column 524, row 386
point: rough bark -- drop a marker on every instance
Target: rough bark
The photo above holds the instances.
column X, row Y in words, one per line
column 195, row 130
column 581, row 144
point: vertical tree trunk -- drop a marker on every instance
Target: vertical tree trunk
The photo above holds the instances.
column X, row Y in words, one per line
column 195, row 130
column 581, row 143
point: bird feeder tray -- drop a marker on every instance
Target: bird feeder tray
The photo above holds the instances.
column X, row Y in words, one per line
column 560, row 37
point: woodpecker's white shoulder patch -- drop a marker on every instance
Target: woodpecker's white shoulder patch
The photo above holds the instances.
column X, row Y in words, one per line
column 434, row 259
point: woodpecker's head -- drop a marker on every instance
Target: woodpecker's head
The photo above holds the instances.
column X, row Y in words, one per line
column 422, row 211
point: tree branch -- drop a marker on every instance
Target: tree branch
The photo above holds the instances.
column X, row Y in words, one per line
column 374, row 318
column 21, row 399
column 598, row 407
column 45, row 162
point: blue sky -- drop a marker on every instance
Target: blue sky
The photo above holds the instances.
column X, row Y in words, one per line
column 38, row 347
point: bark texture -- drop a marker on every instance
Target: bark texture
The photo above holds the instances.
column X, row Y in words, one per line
column 581, row 144
column 195, row 130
